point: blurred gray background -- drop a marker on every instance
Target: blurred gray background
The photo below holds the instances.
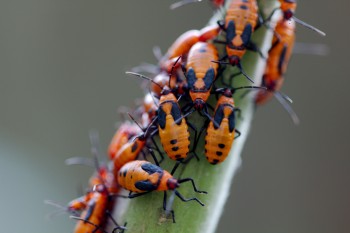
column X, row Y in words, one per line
column 62, row 67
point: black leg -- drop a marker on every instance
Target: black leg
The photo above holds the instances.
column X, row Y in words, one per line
column 270, row 16
column 211, row 107
column 153, row 156
column 239, row 66
column 157, row 149
column 122, row 229
column 239, row 111
column 175, row 167
column 193, row 184
column 189, row 199
column 232, row 76
column 97, row 227
column 205, row 112
column 195, row 136
column 187, row 107
column 238, row 132
column 132, row 195
column 137, row 194
column 164, row 207
column 118, row 227
column 189, row 158
column 221, row 24
column 196, row 143
column 253, row 47
column 144, row 155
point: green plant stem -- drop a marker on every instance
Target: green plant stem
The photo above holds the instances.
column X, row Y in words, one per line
column 145, row 213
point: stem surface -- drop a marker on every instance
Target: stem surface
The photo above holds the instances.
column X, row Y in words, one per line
column 145, row 213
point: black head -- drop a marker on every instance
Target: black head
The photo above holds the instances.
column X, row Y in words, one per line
column 100, row 188
column 227, row 92
column 172, row 184
column 199, row 104
column 288, row 14
column 234, row 60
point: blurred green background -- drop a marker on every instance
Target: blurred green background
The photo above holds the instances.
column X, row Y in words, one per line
column 62, row 74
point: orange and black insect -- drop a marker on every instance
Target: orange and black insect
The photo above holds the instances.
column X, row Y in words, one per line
column 124, row 133
column 177, row 85
column 183, row 44
column 200, row 73
column 276, row 66
column 240, row 22
column 96, row 204
column 102, row 175
column 222, row 129
column 172, row 125
column 288, row 8
column 130, row 150
column 95, row 208
column 180, row 47
column 97, row 228
column 142, row 177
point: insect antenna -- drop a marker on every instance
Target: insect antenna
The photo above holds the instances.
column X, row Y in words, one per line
column 144, row 77
column 239, row 66
column 61, row 209
column 309, row 26
column 182, row 3
column 244, row 73
column 172, row 69
column 157, row 52
column 133, row 119
column 247, row 87
column 287, row 107
column 79, row 161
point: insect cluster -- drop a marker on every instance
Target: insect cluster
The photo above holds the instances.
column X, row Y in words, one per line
column 182, row 82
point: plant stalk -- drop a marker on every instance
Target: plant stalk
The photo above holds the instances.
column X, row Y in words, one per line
column 145, row 213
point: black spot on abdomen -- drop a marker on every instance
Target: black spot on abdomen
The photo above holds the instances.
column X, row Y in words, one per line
column 173, row 142
column 221, row 145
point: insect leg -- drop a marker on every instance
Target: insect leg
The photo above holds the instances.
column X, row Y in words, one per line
column 193, row 184
column 118, row 227
column 189, row 199
column 165, row 207
column 253, row 47
column 238, row 132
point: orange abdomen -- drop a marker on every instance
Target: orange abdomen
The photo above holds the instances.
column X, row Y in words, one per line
column 277, row 62
column 127, row 153
column 174, row 136
column 201, row 71
column 183, row 44
column 142, row 176
column 98, row 216
column 121, row 137
column 218, row 141
column 242, row 12
column 244, row 15
column 200, row 58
